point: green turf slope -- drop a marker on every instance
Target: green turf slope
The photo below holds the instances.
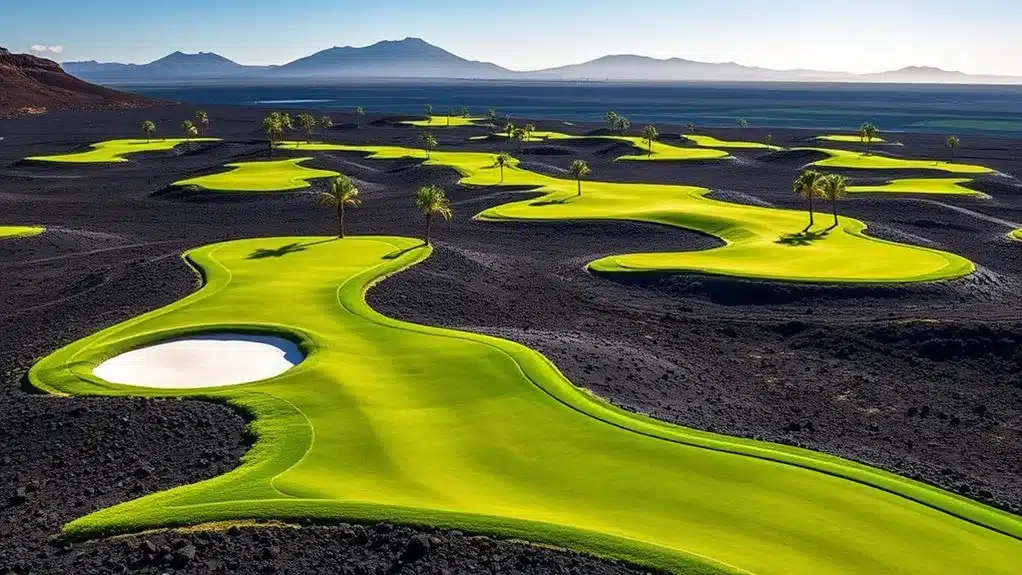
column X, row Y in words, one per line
column 113, row 151
column 938, row 186
column 387, row 420
column 857, row 161
column 20, row 231
column 762, row 243
column 269, row 176
column 660, row 151
column 444, row 122
column 711, row 142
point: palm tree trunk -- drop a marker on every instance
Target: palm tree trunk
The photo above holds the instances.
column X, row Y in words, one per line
column 340, row 220
column 811, row 220
column 579, row 187
column 834, row 202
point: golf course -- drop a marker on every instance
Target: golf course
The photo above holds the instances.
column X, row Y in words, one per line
column 358, row 343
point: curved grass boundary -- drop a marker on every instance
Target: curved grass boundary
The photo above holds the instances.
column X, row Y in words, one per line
column 1016, row 235
column 657, row 152
column 269, row 176
column 113, row 151
column 854, row 160
column 444, row 122
column 760, row 243
column 7, row 232
column 711, row 142
column 422, row 425
column 936, row 186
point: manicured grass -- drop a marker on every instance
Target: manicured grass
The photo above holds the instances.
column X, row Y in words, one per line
column 20, row 231
column 1016, row 235
column 761, row 243
column 849, row 139
column 660, row 151
column 711, row 142
column 387, row 420
column 269, row 176
column 444, row 122
column 856, row 160
column 113, row 151
column 939, row 186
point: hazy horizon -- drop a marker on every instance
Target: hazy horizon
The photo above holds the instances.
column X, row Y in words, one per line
column 866, row 37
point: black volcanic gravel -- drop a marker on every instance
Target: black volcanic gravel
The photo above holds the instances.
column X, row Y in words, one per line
column 925, row 381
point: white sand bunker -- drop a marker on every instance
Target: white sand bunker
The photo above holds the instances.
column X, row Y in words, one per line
column 207, row 360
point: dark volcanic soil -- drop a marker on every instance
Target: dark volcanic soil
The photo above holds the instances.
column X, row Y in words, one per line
column 925, row 381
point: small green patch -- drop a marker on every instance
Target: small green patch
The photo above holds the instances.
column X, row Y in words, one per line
column 20, row 231
column 270, row 176
column 113, row 151
column 937, row 186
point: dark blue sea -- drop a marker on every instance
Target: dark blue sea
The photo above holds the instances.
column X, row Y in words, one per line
column 995, row 110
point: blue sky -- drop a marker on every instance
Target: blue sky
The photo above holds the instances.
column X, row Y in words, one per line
column 977, row 36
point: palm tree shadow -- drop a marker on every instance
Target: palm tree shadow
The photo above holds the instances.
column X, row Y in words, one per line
column 803, row 238
column 284, row 250
column 555, row 202
column 398, row 253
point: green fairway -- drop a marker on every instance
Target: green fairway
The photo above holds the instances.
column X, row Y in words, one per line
column 113, row 151
column 444, row 122
column 269, row 176
column 386, row 420
column 660, row 151
column 762, row 243
column 1016, row 235
column 939, row 186
column 711, row 142
column 849, row 139
column 20, row 231
column 857, row 161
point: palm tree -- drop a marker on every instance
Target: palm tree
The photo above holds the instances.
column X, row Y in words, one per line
column 518, row 135
column 503, row 159
column 808, row 186
column 611, row 118
column 359, row 114
column 325, row 123
column 833, row 187
column 307, row 123
column 742, row 123
column 649, row 135
column 579, row 169
column 429, row 112
column 529, row 129
column 464, row 112
column 188, row 127
column 432, row 201
column 769, row 140
column 149, row 128
column 623, row 124
column 428, row 142
column 491, row 115
column 274, row 129
column 691, row 128
column 342, row 194
column 201, row 119
column 952, row 144
column 509, row 129
column 867, row 133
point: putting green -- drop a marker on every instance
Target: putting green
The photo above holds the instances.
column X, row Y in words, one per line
column 113, row 151
column 444, row 122
column 20, row 231
column 661, row 152
column 940, row 186
column 857, row 161
column 270, row 176
column 387, row 420
column 761, row 243
column 849, row 139
column 711, row 142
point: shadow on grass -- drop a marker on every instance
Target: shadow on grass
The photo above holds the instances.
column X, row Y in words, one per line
column 284, row 250
column 804, row 237
column 556, row 202
column 398, row 253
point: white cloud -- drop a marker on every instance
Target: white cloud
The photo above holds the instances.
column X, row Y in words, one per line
column 42, row 48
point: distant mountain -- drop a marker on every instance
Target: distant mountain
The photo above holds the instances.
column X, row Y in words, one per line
column 176, row 66
column 33, row 85
column 414, row 58
column 408, row 58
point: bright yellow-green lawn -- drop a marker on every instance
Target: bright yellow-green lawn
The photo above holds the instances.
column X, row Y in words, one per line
column 848, row 138
column 1016, row 235
column 761, row 243
column 387, row 420
column 661, row 151
column 114, row 150
column 20, row 231
column 268, row 176
column 444, row 122
column 945, row 186
column 711, row 142
column 856, row 160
